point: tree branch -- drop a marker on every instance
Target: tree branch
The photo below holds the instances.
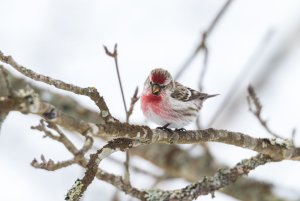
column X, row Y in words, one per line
column 276, row 149
column 90, row 91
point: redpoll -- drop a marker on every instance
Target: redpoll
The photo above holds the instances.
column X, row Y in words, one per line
column 169, row 103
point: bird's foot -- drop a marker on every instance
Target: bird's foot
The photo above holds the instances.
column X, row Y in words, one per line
column 180, row 129
column 165, row 128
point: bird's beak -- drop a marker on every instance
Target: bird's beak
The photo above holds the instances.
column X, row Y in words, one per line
column 155, row 89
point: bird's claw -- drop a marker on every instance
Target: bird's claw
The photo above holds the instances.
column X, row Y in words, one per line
column 180, row 129
column 165, row 129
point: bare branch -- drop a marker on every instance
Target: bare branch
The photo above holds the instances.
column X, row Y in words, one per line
column 90, row 91
column 253, row 99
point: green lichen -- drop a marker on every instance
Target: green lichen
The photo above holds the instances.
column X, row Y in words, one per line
column 75, row 192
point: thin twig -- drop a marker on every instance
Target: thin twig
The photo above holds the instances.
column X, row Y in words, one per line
column 126, row 165
column 50, row 165
column 114, row 55
column 253, row 99
column 134, row 99
column 202, row 43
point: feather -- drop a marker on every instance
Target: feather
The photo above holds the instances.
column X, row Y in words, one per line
column 185, row 94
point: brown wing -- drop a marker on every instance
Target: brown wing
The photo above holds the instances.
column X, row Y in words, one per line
column 185, row 94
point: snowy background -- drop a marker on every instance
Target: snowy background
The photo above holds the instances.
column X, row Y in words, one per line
column 63, row 39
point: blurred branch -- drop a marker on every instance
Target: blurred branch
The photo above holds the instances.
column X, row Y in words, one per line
column 253, row 99
column 245, row 71
column 202, row 43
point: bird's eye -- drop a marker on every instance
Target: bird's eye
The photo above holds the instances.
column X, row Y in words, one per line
column 151, row 83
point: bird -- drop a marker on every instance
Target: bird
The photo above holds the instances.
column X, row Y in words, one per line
column 169, row 103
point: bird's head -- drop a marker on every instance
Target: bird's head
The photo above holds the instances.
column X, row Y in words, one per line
column 159, row 82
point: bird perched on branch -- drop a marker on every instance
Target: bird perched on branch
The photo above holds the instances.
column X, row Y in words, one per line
column 169, row 103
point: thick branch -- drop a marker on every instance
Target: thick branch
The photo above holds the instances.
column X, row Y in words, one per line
column 278, row 150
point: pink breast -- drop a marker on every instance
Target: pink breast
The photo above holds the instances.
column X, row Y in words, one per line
column 151, row 101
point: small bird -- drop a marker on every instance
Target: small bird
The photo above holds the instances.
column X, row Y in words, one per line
column 169, row 103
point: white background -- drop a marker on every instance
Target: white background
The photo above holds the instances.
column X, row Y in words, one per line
column 63, row 39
